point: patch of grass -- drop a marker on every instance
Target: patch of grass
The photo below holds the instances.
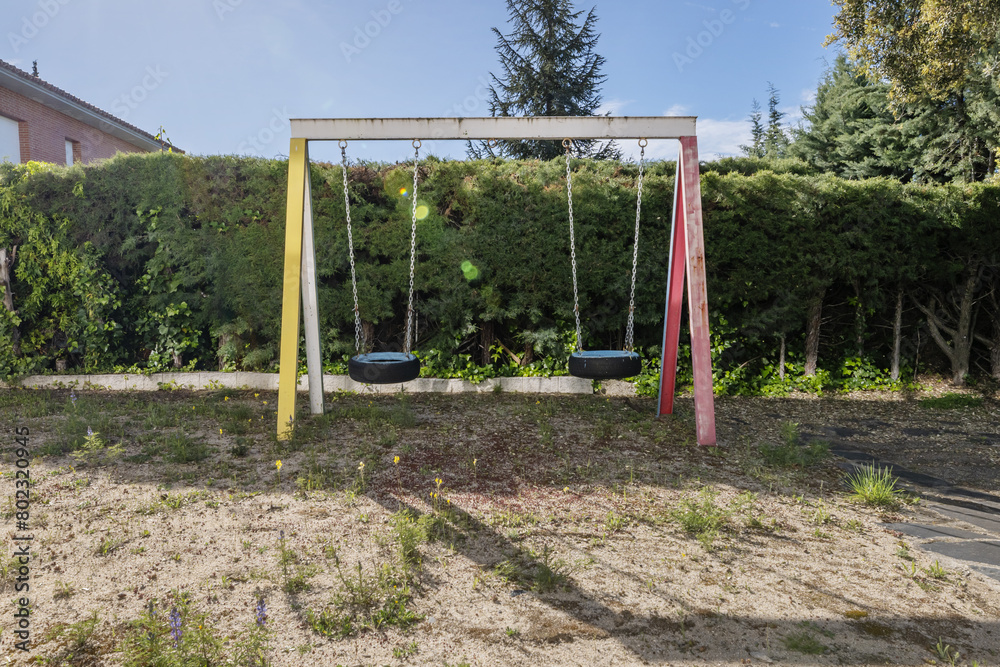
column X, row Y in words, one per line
column 952, row 401
column 804, row 642
column 410, row 534
column 791, row 452
column 79, row 643
column 182, row 449
column 538, row 571
column 875, row 487
column 935, row 571
column 701, row 517
column 365, row 602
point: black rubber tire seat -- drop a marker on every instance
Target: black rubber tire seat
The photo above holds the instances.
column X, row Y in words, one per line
column 604, row 364
column 384, row 368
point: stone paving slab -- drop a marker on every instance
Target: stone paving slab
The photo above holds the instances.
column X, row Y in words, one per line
column 926, row 532
column 986, row 520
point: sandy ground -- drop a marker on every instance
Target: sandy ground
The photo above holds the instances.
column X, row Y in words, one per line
column 555, row 536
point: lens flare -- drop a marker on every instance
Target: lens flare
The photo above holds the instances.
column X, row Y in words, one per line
column 422, row 212
column 469, row 270
column 403, row 192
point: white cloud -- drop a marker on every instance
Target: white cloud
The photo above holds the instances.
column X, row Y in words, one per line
column 808, row 96
column 676, row 110
column 716, row 138
column 775, row 25
column 614, row 106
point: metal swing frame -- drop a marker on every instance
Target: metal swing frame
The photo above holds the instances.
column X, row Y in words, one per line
column 686, row 253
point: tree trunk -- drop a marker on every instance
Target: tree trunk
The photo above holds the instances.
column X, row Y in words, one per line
column 781, row 359
column 6, row 266
column 529, row 354
column 812, row 333
column 859, row 321
column 994, row 343
column 486, row 343
column 897, row 336
column 178, row 360
column 959, row 349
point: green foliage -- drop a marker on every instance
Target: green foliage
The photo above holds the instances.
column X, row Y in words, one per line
column 952, row 401
column 792, row 453
column 149, row 262
column 875, row 486
column 550, row 68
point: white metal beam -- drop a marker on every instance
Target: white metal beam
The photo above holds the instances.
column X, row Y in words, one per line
column 544, row 127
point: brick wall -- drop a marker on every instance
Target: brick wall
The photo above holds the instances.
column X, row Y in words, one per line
column 44, row 131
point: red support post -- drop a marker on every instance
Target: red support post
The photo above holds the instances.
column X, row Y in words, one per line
column 675, row 299
column 701, row 351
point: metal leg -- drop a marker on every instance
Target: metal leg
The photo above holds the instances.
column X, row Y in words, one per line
column 290, row 294
column 310, row 307
column 701, row 351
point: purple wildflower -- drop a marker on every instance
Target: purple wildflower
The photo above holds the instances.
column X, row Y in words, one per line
column 261, row 613
column 90, row 432
column 72, row 397
column 175, row 626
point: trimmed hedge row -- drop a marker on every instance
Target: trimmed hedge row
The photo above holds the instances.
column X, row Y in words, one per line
column 169, row 260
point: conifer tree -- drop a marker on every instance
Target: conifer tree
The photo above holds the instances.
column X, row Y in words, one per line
column 775, row 138
column 550, row 68
column 756, row 146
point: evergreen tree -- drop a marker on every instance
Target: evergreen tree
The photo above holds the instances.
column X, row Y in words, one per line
column 775, row 139
column 756, row 146
column 855, row 131
column 550, row 68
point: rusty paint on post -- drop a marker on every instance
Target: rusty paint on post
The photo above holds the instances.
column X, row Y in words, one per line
column 701, row 351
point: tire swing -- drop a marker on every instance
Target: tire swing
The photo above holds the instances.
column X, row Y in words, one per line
column 382, row 367
column 604, row 364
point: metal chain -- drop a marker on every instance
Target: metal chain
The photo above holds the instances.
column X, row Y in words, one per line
column 568, row 145
column 413, row 244
column 635, row 250
column 350, row 246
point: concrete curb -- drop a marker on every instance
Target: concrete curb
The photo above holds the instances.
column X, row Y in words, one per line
column 331, row 383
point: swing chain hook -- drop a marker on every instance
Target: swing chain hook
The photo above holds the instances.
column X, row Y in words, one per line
column 568, row 145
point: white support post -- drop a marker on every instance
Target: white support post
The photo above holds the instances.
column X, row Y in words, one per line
column 310, row 302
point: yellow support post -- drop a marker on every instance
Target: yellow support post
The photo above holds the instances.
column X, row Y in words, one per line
column 298, row 155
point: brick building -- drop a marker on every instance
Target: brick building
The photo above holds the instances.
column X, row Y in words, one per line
column 41, row 122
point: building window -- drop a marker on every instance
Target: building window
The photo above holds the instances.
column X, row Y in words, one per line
column 10, row 141
column 69, row 152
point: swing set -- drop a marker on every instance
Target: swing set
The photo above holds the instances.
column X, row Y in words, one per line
column 687, row 255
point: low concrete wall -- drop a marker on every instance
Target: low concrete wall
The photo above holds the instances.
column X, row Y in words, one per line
column 331, row 383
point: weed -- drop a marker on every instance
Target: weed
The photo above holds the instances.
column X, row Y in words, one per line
column 95, row 450
column 410, row 534
column 614, row 522
column 400, row 652
column 182, row 449
column 81, row 644
column 935, row 571
column 701, row 517
column 512, row 632
column 875, row 486
column 946, row 652
column 804, row 642
column 109, row 544
column 64, row 591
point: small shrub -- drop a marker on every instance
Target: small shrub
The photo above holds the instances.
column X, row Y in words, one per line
column 875, row 486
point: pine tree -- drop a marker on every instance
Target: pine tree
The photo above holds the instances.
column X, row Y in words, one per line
column 775, row 139
column 756, row 147
column 550, row 68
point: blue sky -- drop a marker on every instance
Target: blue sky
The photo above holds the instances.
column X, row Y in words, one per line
column 224, row 76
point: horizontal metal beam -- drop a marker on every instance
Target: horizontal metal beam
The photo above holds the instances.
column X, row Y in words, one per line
column 538, row 127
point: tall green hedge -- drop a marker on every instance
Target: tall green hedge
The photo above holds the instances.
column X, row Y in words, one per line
column 162, row 260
